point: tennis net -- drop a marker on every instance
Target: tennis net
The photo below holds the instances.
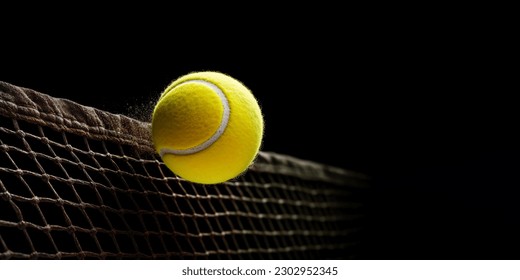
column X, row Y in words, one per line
column 78, row 182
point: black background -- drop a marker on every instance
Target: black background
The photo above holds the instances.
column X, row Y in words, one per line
column 423, row 106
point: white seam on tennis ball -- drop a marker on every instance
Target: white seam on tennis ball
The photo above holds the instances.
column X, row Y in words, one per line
column 216, row 135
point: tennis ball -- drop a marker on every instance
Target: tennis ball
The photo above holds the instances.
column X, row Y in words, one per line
column 207, row 127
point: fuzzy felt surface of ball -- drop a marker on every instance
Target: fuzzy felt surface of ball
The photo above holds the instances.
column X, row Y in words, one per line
column 207, row 127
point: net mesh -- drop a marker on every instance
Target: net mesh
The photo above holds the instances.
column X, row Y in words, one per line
column 77, row 182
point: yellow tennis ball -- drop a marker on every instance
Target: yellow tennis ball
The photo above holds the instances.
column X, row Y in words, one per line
column 207, row 127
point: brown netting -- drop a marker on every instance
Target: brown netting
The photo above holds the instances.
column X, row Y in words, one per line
column 78, row 182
